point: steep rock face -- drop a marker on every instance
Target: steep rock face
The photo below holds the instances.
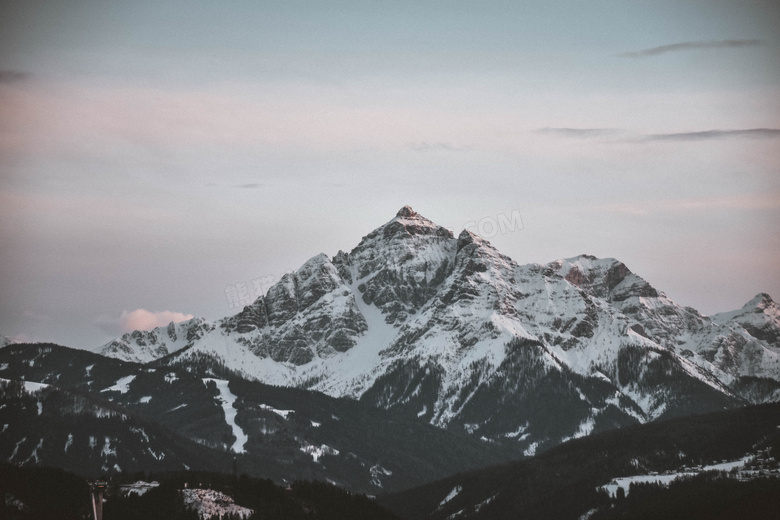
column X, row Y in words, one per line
column 451, row 331
column 309, row 314
column 400, row 266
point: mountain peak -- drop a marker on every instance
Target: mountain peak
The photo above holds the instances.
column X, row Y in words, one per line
column 407, row 212
column 466, row 237
column 408, row 222
column 760, row 301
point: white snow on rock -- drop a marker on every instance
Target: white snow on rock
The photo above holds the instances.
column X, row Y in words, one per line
column 452, row 494
column 282, row 413
column 29, row 386
column 138, row 488
column 318, row 451
column 122, row 385
column 377, row 472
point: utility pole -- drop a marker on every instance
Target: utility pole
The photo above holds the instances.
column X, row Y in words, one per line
column 96, row 490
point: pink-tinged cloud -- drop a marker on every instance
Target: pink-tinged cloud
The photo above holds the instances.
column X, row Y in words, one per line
column 141, row 319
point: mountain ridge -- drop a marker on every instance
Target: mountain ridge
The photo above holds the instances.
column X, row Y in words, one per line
column 417, row 319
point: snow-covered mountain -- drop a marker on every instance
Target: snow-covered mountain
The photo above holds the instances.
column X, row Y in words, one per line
column 449, row 330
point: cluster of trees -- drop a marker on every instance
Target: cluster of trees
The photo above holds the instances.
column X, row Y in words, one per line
column 563, row 482
column 42, row 493
column 709, row 496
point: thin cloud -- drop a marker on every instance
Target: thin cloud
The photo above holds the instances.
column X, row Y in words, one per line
column 701, row 135
column 250, row 186
column 424, row 146
column 751, row 133
column 687, row 46
column 578, row 133
column 12, row 76
column 141, row 319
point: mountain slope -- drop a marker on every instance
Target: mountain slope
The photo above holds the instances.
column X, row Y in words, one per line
column 44, row 425
column 563, row 483
column 274, row 432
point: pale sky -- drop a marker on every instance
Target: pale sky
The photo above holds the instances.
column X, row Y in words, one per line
column 154, row 154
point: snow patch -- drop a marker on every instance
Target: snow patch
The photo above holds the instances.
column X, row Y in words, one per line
column 452, row 494
column 141, row 432
column 530, row 451
column 107, row 450
column 34, row 454
column 517, row 433
column 583, row 430
column 29, row 386
column 377, row 472
column 283, row 413
column 122, row 385
column 16, row 449
column 138, row 488
column 318, row 451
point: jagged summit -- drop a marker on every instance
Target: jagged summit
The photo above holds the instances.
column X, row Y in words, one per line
column 406, row 212
column 760, row 317
column 761, row 301
column 406, row 223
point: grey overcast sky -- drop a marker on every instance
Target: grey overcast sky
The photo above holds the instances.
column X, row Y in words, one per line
column 154, row 154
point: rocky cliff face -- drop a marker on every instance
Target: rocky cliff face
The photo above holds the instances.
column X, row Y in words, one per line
column 309, row 314
column 449, row 330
